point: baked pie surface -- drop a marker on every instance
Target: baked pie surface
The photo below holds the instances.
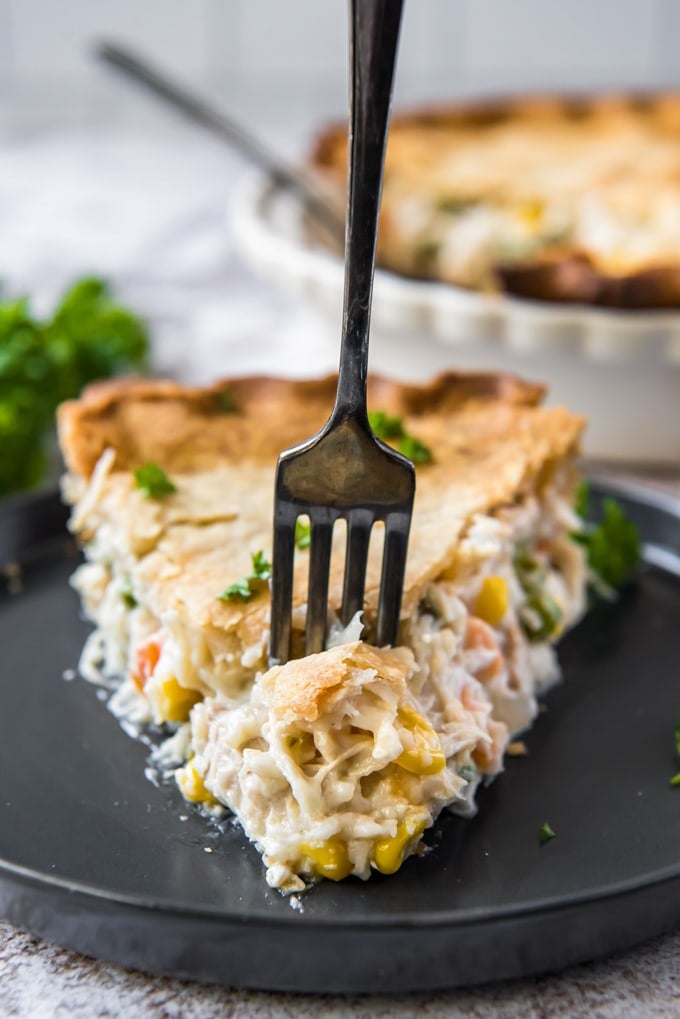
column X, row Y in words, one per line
column 336, row 763
column 574, row 200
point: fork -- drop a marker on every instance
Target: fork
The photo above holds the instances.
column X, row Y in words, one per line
column 140, row 70
column 344, row 471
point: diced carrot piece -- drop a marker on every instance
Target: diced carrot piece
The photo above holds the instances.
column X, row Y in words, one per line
column 479, row 634
column 147, row 660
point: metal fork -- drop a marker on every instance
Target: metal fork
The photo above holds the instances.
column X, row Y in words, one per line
column 345, row 471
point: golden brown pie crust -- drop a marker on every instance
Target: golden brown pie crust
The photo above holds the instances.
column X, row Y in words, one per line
column 569, row 275
column 491, row 441
column 186, row 428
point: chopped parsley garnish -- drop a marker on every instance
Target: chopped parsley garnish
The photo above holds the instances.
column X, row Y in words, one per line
column 154, row 481
column 425, row 255
column 253, row 583
column 303, row 533
column 540, row 615
column 414, row 449
column 675, row 781
column 545, row 833
column 582, row 500
column 262, row 568
column 613, row 546
column 455, row 204
column 385, row 426
column 128, row 598
column 239, row 589
column 225, row 402
column 390, row 428
column 468, row 772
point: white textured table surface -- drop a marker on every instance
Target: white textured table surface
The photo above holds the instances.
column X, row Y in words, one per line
column 149, row 213
column 44, row 982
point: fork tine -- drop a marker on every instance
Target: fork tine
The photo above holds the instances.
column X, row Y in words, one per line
column 319, row 565
column 358, row 538
column 392, row 576
column 282, row 582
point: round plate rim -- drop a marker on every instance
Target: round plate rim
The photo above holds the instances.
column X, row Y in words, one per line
column 39, row 880
column 461, row 918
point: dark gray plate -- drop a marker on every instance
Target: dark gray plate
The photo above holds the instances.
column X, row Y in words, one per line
column 97, row 858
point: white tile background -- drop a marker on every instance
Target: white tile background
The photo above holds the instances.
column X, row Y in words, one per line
column 274, row 59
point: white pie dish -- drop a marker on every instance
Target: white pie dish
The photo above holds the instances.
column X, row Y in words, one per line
column 619, row 368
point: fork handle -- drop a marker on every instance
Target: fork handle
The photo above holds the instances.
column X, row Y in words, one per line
column 373, row 37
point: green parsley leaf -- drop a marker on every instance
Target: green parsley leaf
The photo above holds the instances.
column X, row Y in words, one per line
column 425, row 255
column 303, row 533
column 530, row 573
column 540, row 616
column 154, row 481
column 43, row 362
column 545, row 833
column 248, row 586
column 414, row 449
column 129, row 599
column 455, row 204
column 582, row 500
column 390, row 428
column 675, row 781
column 240, row 589
column 262, row 568
column 225, row 401
column 613, row 546
column 95, row 336
column 385, row 425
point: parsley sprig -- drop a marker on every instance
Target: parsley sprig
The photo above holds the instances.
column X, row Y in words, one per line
column 251, row 584
column 226, row 402
column 545, row 833
column 390, row 428
column 540, row 615
column 46, row 360
column 153, row 480
column 675, row 781
column 613, row 546
column 303, row 533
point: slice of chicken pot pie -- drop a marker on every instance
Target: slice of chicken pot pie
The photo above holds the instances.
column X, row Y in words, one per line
column 335, row 763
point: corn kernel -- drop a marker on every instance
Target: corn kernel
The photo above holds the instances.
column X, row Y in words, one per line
column 191, row 785
column 390, row 853
column 426, row 756
column 329, row 859
column 492, row 600
column 531, row 214
column 173, row 702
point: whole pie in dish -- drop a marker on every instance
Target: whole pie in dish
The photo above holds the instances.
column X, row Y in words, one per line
column 334, row 764
column 554, row 199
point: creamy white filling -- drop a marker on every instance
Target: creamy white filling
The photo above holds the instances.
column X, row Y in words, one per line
column 464, row 246
column 474, row 693
column 295, row 784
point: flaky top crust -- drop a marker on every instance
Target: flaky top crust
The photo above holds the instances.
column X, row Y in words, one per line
column 641, row 130
column 186, row 428
column 301, row 689
column 491, row 444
